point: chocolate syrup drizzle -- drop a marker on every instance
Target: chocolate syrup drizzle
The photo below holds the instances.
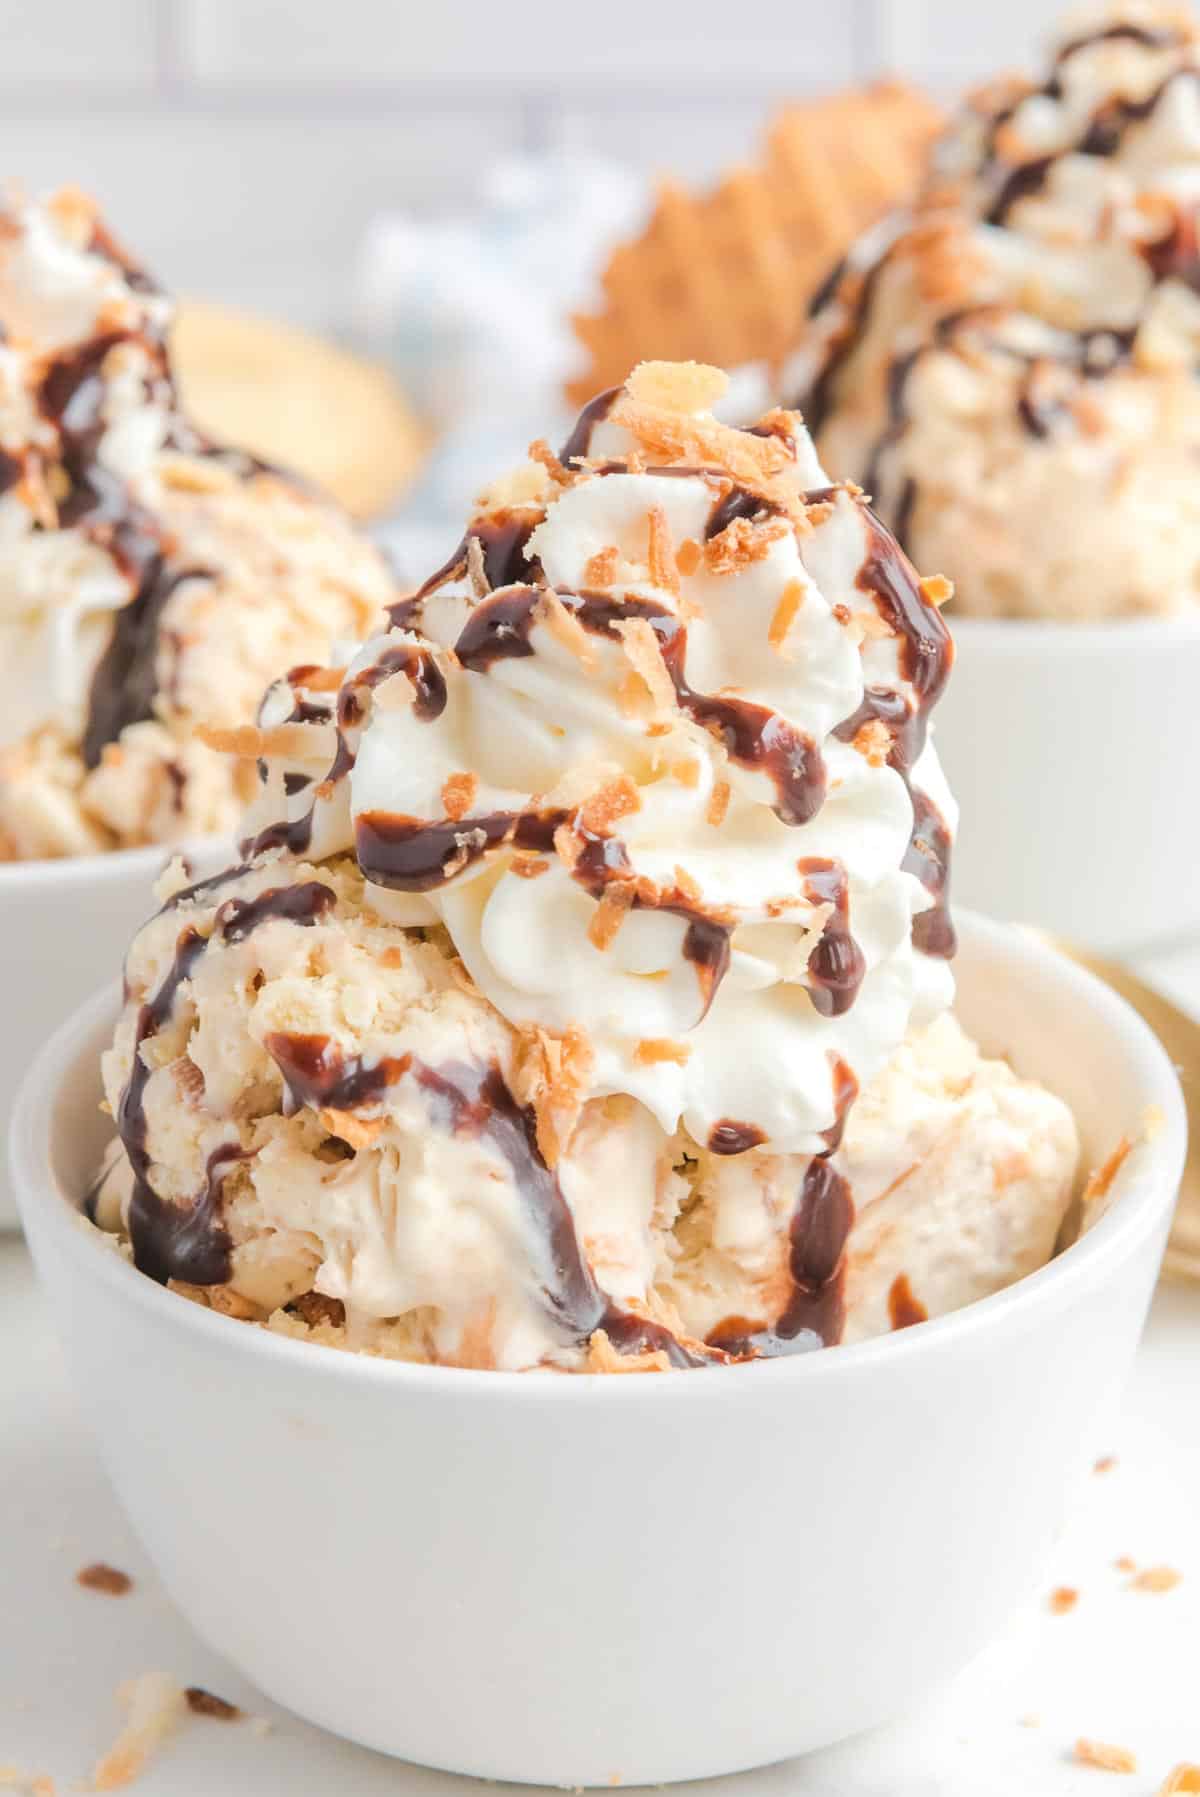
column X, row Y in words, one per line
column 412, row 854
column 753, row 735
column 926, row 657
column 1105, row 133
column 837, row 965
column 188, row 1241
column 815, row 1313
column 429, row 701
column 469, row 1100
column 730, row 1137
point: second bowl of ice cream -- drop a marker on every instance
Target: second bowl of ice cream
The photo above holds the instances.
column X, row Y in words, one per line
column 151, row 584
column 1011, row 373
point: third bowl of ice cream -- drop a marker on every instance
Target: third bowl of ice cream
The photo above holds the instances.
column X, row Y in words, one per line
column 1011, row 372
column 151, row 582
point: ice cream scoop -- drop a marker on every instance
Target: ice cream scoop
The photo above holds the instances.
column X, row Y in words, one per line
column 574, row 912
column 149, row 579
column 1011, row 369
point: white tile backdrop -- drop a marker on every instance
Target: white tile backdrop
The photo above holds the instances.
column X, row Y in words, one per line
column 241, row 145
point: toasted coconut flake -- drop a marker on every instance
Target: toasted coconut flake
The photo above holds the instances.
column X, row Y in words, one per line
column 652, row 1049
column 634, row 701
column 1104, row 1757
column 1185, row 1777
column 936, row 589
column 529, row 867
column 567, row 846
column 1105, row 1463
column 458, row 795
column 688, row 556
column 873, row 742
column 602, row 1357
column 790, row 601
column 360, row 1132
column 155, row 1704
column 660, row 553
column 642, row 649
column 1156, row 1578
column 289, row 741
column 688, row 885
column 541, row 452
column 232, row 1304
column 611, row 802
column 686, row 772
column 718, row 804
column 610, row 914
column 600, row 570
column 551, row 1074
column 1100, row 1179
column 669, row 436
column 565, row 627
column 1062, row 1599
column 741, row 544
column 677, row 386
column 1125, row 1563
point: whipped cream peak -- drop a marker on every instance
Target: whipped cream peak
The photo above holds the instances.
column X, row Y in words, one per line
column 651, row 748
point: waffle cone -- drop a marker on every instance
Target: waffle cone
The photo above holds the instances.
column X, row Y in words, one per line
column 724, row 276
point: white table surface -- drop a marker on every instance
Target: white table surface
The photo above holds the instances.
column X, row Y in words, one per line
column 1122, row 1667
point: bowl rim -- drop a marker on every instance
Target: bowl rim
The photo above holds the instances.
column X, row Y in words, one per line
column 108, row 866
column 1100, row 637
column 1147, row 1188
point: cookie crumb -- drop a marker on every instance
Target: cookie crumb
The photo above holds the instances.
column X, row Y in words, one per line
column 1103, row 1756
column 1156, row 1578
column 108, row 1580
column 206, row 1703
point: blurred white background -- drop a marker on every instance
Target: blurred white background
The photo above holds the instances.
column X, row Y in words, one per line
column 242, row 146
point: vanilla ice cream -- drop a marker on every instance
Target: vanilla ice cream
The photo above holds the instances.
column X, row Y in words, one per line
column 149, row 580
column 1010, row 370
column 574, row 914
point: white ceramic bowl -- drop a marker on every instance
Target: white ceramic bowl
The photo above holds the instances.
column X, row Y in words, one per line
column 66, row 925
column 571, row 1580
column 1073, row 751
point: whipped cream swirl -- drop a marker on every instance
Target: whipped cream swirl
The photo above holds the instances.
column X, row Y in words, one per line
column 652, row 748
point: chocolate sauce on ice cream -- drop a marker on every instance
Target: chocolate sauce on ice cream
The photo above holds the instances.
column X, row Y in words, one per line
column 578, row 914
